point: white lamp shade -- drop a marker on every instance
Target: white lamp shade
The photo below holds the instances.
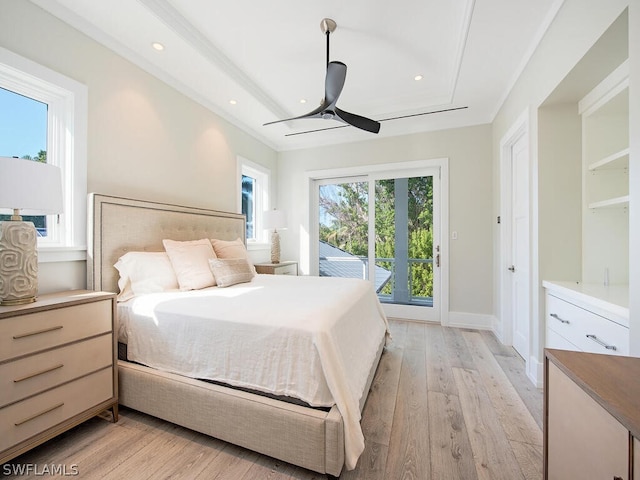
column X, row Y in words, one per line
column 35, row 188
column 274, row 219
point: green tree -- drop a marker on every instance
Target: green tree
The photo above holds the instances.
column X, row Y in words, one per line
column 40, row 157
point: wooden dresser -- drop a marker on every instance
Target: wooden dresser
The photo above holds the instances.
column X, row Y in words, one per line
column 591, row 416
column 57, row 367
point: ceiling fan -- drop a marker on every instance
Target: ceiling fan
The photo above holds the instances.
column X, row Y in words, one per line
column 334, row 82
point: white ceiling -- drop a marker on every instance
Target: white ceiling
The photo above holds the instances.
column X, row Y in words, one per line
column 268, row 55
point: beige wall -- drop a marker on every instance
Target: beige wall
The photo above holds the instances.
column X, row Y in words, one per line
column 145, row 139
column 470, row 197
column 577, row 26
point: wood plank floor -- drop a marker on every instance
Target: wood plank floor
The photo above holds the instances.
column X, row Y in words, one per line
column 446, row 404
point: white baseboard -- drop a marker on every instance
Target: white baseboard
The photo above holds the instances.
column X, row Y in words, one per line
column 535, row 372
column 470, row 320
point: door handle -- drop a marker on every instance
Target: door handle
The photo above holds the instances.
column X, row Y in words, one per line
column 512, row 268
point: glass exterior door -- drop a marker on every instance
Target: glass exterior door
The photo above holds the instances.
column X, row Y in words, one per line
column 384, row 228
column 404, row 239
column 343, row 240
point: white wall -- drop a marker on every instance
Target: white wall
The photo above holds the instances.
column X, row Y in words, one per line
column 470, row 197
column 634, row 176
column 145, row 139
column 560, row 178
column 577, row 26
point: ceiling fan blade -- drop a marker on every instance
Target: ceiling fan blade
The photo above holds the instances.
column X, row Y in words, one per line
column 358, row 121
column 334, row 82
column 313, row 114
column 381, row 120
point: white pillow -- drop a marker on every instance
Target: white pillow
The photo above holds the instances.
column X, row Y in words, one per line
column 231, row 249
column 144, row 272
column 190, row 261
column 230, row 271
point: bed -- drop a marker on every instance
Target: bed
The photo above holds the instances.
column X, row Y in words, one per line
column 318, row 435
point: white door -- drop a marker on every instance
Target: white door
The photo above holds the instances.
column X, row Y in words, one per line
column 385, row 227
column 520, row 245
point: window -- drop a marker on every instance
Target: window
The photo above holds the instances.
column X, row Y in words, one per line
column 43, row 116
column 23, row 133
column 254, row 198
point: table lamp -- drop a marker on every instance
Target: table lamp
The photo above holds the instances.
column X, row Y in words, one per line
column 275, row 219
column 31, row 188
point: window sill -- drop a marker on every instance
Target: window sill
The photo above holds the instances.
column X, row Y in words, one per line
column 61, row 254
column 251, row 246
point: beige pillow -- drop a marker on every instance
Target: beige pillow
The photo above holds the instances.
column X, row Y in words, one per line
column 230, row 271
column 231, row 249
column 190, row 262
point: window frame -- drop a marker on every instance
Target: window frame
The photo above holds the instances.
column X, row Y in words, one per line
column 262, row 176
column 67, row 102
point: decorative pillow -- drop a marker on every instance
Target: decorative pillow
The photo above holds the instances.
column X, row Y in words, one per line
column 231, row 249
column 144, row 272
column 190, row 262
column 230, row 271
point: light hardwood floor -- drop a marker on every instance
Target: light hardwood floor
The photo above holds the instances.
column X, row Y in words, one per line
column 446, row 403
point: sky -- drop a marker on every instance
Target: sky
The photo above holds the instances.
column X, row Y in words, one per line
column 23, row 125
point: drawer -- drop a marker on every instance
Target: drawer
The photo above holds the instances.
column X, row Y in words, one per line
column 36, row 373
column 555, row 340
column 291, row 269
column 574, row 324
column 27, row 418
column 32, row 332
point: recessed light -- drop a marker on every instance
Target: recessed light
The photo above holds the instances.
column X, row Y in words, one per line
column 417, row 78
column 232, row 102
column 158, row 46
column 302, row 100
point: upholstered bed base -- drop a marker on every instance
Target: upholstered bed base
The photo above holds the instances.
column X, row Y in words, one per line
column 307, row 437
column 304, row 436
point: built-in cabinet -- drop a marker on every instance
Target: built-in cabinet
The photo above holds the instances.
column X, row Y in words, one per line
column 587, row 317
column 592, row 416
column 591, row 314
column 605, row 155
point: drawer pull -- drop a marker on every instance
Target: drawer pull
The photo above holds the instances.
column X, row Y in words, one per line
column 27, row 377
column 37, row 332
column 561, row 320
column 600, row 342
column 17, row 424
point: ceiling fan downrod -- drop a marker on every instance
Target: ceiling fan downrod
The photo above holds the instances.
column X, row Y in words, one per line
column 327, row 26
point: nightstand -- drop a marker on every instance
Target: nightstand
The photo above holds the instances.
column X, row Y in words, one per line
column 282, row 268
column 57, row 367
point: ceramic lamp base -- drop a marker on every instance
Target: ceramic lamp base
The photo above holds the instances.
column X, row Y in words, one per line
column 275, row 247
column 18, row 263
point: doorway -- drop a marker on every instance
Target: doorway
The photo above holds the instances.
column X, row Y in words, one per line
column 515, row 262
column 385, row 227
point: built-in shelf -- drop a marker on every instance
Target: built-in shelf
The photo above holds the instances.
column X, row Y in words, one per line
column 618, row 160
column 611, row 203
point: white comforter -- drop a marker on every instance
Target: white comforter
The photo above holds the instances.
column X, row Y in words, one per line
column 312, row 338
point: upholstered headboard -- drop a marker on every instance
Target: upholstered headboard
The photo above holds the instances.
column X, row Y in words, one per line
column 118, row 225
